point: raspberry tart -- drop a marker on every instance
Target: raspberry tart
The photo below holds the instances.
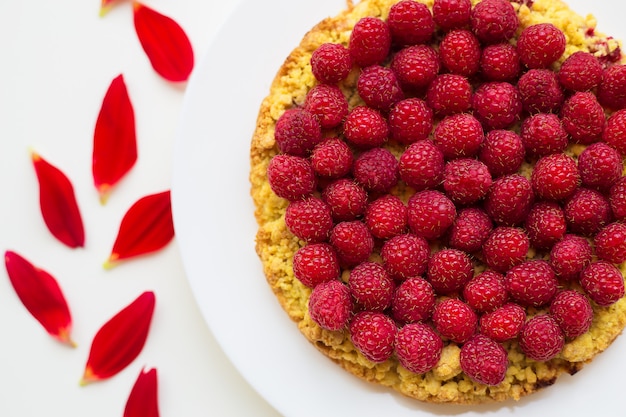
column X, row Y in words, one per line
column 439, row 190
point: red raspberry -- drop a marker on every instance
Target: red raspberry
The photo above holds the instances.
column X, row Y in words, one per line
column 370, row 41
column 415, row 66
column 466, row 180
column 509, row 200
column 485, row 292
column 614, row 133
column 376, row 170
column 413, row 301
column 542, row 134
column 352, row 241
column 365, row 127
column 373, row 334
column 297, row 132
column 290, row 177
column 330, row 305
column 500, row 62
column 460, row 52
column 545, row 224
column 379, row 87
column 504, row 323
column 386, row 217
column 531, row 283
column 494, row 21
column 484, row 360
column 570, row 256
column 470, row 229
column 309, row 219
column 410, row 120
column 421, row 165
column 502, row 151
column 331, row 63
column 583, row 117
column 497, row 104
column 587, row 211
column 581, row 71
column 600, row 166
column 371, row 287
column 405, row 256
column 328, row 104
column 459, row 135
column 332, row 158
column 573, row 313
column 612, row 88
column 610, row 243
column 617, row 199
column 449, row 270
column 505, row 247
column 455, row 320
column 452, row 14
column 316, row 263
column 347, row 200
column 603, row 283
column 555, row 177
column 540, row 91
column 431, row 213
column 541, row 339
column 418, row 348
column 540, row 45
column 410, row 23
column 449, row 93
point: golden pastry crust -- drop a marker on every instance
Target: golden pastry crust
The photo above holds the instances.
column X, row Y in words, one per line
column 275, row 245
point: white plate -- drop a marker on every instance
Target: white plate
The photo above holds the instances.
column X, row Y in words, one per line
column 215, row 228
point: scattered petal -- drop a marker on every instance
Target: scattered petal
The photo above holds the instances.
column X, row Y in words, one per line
column 143, row 398
column 105, row 6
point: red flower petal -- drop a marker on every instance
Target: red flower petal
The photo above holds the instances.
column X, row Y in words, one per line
column 114, row 139
column 166, row 44
column 58, row 204
column 143, row 398
column 146, row 227
column 41, row 295
column 120, row 340
column 105, row 6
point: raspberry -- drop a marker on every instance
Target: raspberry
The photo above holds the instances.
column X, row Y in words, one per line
column 610, row 243
column 316, row 263
column 297, row 132
column 494, row 21
column 331, row 63
column 459, row 135
column 365, row 127
column 509, row 200
column 505, row 247
column 504, row 323
column 485, row 292
column 603, row 283
column 540, row 45
column 583, row 117
column 370, row 41
column 290, row 177
column 330, row 305
column 328, row 104
column 332, row 158
column 352, row 241
column 455, row 320
column 541, row 339
column 449, row 270
column 413, row 300
column 573, row 313
column 309, row 219
column 555, row 177
column 531, row 283
column 347, row 200
column 587, row 211
column 497, row 104
column 415, row 66
column 617, row 199
column 405, row 256
column 466, row 180
column 421, row 165
column 545, row 224
column 470, row 229
column 431, row 213
column 502, row 151
column 612, row 88
column 570, row 256
column 379, row 87
column 418, row 348
column 373, row 334
column 386, row 217
column 452, row 14
column 410, row 120
column 581, row 71
column 410, row 23
column 542, row 134
column 540, row 91
column 600, row 166
column 371, row 287
column 614, row 133
column 460, row 52
column 376, row 170
column 448, row 94
column 500, row 62
column 484, row 360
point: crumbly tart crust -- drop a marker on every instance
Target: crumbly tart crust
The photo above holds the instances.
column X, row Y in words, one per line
column 275, row 245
